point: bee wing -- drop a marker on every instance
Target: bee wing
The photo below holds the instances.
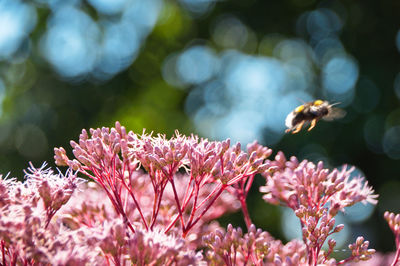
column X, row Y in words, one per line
column 289, row 120
column 334, row 113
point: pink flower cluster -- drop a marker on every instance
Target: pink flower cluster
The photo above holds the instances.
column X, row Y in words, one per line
column 256, row 247
column 316, row 195
column 27, row 235
column 394, row 223
column 113, row 158
column 154, row 201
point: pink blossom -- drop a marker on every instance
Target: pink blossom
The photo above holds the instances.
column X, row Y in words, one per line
column 256, row 247
column 316, row 195
column 154, row 201
column 113, row 158
column 27, row 231
column 393, row 221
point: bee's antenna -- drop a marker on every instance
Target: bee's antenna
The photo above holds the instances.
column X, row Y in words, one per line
column 300, row 100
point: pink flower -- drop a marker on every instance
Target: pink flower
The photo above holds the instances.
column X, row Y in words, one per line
column 27, row 231
column 393, row 221
column 316, row 195
column 309, row 185
column 256, row 247
column 113, row 158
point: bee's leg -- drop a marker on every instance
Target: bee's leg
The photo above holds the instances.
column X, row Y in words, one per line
column 313, row 123
column 298, row 127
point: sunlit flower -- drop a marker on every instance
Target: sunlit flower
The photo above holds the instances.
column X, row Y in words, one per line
column 113, row 158
column 316, row 195
column 256, row 247
column 27, row 231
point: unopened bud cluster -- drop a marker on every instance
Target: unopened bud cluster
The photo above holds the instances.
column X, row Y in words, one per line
column 394, row 221
column 360, row 250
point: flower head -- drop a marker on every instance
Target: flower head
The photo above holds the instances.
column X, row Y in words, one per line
column 316, row 195
column 309, row 185
column 114, row 157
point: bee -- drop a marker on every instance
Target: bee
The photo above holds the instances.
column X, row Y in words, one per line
column 312, row 112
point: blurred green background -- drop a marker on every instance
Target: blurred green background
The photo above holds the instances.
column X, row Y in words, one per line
column 220, row 69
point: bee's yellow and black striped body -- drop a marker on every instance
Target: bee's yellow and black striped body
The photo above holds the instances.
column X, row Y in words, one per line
column 311, row 112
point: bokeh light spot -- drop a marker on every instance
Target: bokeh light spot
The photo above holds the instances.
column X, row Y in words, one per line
column 241, row 126
column 31, row 141
column 339, row 75
column 169, row 72
column 290, row 49
column 17, row 20
column 290, row 224
column 268, row 43
column 2, row 96
column 367, row 96
column 230, row 32
column 327, row 48
column 197, row 64
column 119, row 48
column 108, row 7
column 393, row 119
column 358, row 212
column 84, row 47
column 391, row 142
column 373, row 133
column 198, row 7
column 70, row 46
column 215, row 98
column 249, row 76
column 322, row 23
column 194, row 101
column 313, row 152
column 142, row 15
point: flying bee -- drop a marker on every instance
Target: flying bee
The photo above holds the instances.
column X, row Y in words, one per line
column 312, row 112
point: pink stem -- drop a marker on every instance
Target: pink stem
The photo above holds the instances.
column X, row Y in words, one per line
column 122, row 212
column 190, row 226
column 155, row 204
column 188, row 193
column 187, row 198
column 171, row 223
column 129, row 189
column 177, row 203
column 249, row 184
column 3, row 252
column 194, row 209
column 159, row 196
column 242, row 198
column 211, row 194
column 245, row 212
column 345, row 260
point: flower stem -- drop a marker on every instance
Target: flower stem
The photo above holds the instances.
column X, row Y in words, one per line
column 177, row 203
column 190, row 226
column 245, row 212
